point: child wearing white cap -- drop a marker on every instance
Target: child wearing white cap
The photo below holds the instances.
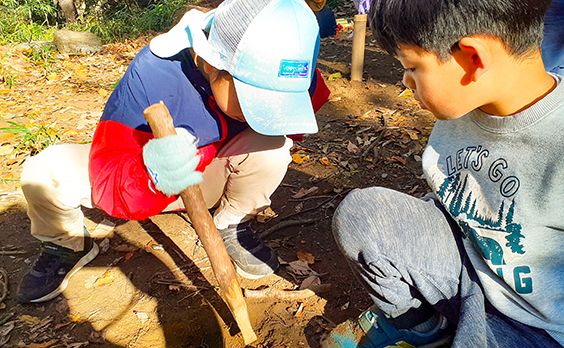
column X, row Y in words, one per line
column 237, row 81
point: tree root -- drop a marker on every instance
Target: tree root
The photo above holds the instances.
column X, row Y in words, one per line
column 287, row 294
column 287, row 223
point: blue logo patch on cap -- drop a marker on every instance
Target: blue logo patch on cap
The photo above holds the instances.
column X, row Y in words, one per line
column 293, row 68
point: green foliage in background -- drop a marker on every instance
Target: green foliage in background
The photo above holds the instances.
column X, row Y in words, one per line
column 33, row 138
column 112, row 20
column 121, row 21
column 26, row 20
column 335, row 4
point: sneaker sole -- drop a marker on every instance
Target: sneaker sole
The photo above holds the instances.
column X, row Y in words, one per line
column 81, row 263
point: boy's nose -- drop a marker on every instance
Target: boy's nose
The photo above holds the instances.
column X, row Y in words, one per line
column 408, row 82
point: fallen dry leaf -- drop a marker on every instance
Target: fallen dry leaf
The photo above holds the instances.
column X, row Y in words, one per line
column 335, row 76
column 6, row 149
column 303, row 192
column 326, row 162
column 107, row 278
column 70, row 133
column 352, row 147
column 310, row 281
column 266, row 215
column 397, row 159
column 413, row 134
column 306, row 257
column 6, row 136
column 28, row 319
column 75, row 317
column 300, row 267
column 43, row 345
column 152, row 245
column 298, row 159
column 407, row 93
column 52, row 76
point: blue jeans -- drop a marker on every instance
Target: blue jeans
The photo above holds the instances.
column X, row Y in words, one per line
column 553, row 43
column 408, row 254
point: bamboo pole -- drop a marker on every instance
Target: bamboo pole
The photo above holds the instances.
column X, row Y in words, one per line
column 359, row 36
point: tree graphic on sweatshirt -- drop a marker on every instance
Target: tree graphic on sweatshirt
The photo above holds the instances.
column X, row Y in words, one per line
column 478, row 221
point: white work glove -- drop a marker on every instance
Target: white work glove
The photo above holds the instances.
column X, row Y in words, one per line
column 171, row 162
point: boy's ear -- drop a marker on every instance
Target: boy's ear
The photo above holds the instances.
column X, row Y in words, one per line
column 474, row 56
column 208, row 68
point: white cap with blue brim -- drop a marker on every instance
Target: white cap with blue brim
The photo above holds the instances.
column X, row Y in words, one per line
column 268, row 46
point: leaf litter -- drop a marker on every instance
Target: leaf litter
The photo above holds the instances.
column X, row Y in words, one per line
column 351, row 125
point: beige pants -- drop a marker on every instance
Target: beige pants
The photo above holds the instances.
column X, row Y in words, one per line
column 240, row 181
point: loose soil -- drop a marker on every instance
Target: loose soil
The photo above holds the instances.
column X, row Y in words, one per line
column 152, row 285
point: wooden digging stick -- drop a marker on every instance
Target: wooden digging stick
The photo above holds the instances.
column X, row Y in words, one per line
column 161, row 124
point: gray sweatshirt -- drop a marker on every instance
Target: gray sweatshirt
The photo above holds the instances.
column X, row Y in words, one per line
column 502, row 180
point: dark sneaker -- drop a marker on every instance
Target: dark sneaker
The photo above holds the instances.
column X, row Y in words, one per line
column 51, row 272
column 373, row 331
column 253, row 259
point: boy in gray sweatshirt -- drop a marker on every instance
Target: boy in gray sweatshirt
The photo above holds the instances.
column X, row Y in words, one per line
column 480, row 261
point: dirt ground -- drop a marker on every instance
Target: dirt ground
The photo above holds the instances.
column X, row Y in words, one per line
column 152, row 286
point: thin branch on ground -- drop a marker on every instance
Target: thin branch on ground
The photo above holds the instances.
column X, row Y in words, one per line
column 13, row 252
column 282, row 294
column 175, row 282
column 310, row 209
column 6, row 318
column 283, row 224
column 308, row 198
column 288, row 223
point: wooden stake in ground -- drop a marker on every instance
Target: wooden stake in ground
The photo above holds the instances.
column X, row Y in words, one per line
column 161, row 124
column 359, row 36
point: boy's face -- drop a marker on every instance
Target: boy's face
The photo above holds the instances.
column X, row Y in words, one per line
column 223, row 89
column 436, row 85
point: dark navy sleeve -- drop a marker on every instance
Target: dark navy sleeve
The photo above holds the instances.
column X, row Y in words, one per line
column 183, row 89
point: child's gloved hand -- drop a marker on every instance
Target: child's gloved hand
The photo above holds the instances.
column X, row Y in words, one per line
column 171, row 162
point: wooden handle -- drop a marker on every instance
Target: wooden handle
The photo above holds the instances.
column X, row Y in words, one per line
column 161, row 124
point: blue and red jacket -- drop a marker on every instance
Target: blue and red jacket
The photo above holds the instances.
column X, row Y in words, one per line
column 118, row 176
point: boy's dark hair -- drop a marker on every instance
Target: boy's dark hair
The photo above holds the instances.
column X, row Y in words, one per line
column 437, row 25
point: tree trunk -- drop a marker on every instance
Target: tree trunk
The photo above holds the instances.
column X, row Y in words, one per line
column 68, row 9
